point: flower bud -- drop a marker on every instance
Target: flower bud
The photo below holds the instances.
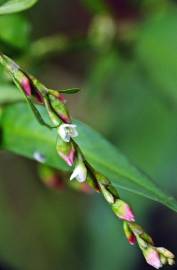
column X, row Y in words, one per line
column 129, row 234
column 166, row 252
column 57, row 94
column 152, row 257
column 60, row 109
column 25, row 84
column 67, row 131
column 123, row 211
column 101, row 179
column 106, row 193
column 30, row 89
column 171, row 261
column 80, row 171
column 166, row 256
column 51, row 177
column 66, row 151
column 106, row 188
column 92, row 181
column 62, row 98
column 136, row 229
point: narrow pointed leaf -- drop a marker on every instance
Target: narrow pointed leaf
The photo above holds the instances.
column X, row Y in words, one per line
column 69, row 91
column 22, row 134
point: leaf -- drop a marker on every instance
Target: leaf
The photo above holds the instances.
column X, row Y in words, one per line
column 22, row 134
column 9, row 94
column 10, row 24
column 70, row 91
column 13, row 6
column 27, row 136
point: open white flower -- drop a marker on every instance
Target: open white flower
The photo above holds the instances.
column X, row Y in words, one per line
column 67, row 131
column 80, row 172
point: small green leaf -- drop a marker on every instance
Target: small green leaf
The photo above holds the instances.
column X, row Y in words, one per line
column 70, row 91
column 13, row 6
column 22, row 134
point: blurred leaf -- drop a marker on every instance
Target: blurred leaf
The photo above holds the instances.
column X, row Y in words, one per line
column 9, row 94
column 156, row 50
column 11, row 24
column 23, row 135
column 13, row 6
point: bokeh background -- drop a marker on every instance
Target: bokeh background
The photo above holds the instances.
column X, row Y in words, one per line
column 123, row 55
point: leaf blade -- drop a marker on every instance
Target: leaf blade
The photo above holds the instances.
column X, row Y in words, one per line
column 13, row 6
column 23, row 135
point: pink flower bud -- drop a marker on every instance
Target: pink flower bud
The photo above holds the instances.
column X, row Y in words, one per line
column 62, row 98
column 152, row 257
column 26, row 86
column 66, row 150
column 123, row 211
column 132, row 240
column 129, row 234
column 60, row 109
column 69, row 158
column 65, row 118
column 30, row 90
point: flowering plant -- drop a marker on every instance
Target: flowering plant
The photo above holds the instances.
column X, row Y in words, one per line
column 69, row 144
column 55, row 105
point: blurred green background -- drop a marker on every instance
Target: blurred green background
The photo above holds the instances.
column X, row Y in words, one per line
column 123, row 55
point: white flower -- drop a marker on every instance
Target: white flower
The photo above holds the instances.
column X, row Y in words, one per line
column 67, row 131
column 80, row 172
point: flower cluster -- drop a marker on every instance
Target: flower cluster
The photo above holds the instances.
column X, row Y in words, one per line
column 70, row 152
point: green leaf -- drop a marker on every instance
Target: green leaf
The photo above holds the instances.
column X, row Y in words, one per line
column 22, row 134
column 13, row 6
column 27, row 136
column 9, row 94
column 70, row 91
column 10, row 24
